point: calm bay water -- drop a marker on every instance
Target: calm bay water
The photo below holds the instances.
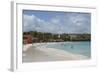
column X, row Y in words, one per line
column 82, row 48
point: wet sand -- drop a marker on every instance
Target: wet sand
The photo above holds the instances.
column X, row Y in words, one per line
column 35, row 53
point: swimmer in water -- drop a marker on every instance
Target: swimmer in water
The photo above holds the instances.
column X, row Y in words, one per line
column 72, row 46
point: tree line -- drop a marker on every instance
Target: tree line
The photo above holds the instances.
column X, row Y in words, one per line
column 51, row 37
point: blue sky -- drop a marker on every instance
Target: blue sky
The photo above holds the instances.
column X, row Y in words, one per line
column 56, row 22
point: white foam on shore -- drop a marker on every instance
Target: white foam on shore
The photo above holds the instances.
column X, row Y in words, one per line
column 25, row 47
column 54, row 52
column 61, row 53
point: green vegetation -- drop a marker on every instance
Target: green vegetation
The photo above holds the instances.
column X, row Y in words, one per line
column 51, row 37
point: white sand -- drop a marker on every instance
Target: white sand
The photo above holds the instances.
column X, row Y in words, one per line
column 38, row 52
column 25, row 47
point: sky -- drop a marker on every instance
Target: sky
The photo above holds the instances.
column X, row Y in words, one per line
column 56, row 22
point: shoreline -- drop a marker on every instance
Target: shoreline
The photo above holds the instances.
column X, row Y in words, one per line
column 39, row 52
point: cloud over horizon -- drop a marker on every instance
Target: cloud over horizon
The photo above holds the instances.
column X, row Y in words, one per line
column 57, row 22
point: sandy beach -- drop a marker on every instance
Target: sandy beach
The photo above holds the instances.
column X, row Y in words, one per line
column 37, row 53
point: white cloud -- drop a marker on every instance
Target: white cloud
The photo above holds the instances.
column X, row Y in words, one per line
column 57, row 24
column 55, row 20
column 32, row 23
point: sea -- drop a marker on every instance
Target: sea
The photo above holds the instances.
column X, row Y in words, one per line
column 80, row 47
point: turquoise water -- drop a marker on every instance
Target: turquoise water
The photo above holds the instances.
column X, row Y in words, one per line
column 82, row 48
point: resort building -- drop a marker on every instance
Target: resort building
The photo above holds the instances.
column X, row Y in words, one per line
column 27, row 38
